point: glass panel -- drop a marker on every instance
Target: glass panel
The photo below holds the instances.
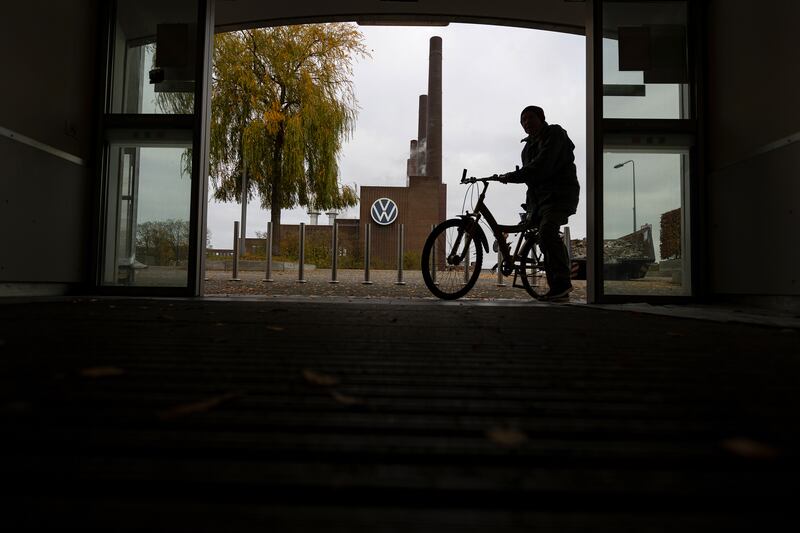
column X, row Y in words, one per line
column 147, row 238
column 645, row 68
column 645, row 221
column 154, row 54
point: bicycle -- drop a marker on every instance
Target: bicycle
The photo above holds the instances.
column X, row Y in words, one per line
column 452, row 256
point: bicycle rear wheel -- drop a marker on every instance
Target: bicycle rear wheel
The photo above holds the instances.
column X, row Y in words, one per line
column 531, row 269
column 451, row 259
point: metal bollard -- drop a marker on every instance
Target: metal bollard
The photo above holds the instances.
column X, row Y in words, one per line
column 301, row 278
column 334, row 252
column 400, row 235
column 268, row 273
column 434, row 266
column 500, row 282
column 235, row 272
column 466, row 266
column 367, row 238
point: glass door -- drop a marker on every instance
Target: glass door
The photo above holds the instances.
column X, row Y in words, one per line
column 644, row 162
column 155, row 128
column 645, row 218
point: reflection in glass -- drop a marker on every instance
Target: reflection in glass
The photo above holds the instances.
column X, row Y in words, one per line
column 645, row 68
column 147, row 241
column 644, row 227
column 154, row 52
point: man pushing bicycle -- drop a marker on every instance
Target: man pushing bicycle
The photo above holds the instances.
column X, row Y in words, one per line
column 548, row 169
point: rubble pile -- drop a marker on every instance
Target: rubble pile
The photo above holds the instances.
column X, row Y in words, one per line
column 634, row 246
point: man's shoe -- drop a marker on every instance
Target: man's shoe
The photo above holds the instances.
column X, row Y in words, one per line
column 558, row 294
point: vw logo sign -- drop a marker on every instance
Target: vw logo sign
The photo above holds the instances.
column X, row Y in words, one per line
column 384, row 211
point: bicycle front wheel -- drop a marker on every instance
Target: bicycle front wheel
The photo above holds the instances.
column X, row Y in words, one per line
column 531, row 269
column 451, row 259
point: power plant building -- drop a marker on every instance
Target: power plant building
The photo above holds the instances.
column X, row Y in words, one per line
column 421, row 203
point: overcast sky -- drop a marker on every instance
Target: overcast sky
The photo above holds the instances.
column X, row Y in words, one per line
column 489, row 74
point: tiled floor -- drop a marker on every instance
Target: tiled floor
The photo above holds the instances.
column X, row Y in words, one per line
column 354, row 414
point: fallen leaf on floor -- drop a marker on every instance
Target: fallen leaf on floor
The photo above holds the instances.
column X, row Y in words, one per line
column 344, row 399
column 506, row 436
column 749, row 448
column 101, row 372
column 275, row 328
column 196, row 407
column 317, row 378
column 17, row 407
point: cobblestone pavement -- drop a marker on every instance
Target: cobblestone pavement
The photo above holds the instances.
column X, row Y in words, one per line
column 351, row 285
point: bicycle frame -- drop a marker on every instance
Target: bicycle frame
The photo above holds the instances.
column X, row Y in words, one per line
column 480, row 210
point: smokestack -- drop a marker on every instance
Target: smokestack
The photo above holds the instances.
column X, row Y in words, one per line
column 422, row 131
column 411, row 164
column 433, row 137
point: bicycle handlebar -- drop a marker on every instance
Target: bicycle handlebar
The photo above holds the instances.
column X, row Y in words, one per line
column 473, row 179
column 502, row 178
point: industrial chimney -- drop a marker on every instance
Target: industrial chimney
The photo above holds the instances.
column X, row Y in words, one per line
column 411, row 164
column 422, row 131
column 433, row 137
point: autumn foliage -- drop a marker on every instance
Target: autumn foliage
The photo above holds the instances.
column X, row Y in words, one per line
column 282, row 104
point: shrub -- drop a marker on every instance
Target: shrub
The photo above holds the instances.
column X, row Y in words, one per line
column 412, row 260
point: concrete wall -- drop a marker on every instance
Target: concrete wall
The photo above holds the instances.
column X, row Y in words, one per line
column 48, row 57
column 47, row 50
column 753, row 158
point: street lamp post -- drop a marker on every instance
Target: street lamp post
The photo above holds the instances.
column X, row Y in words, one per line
column 633, row 167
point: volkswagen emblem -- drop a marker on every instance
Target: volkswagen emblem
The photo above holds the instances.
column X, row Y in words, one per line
column 384, row 211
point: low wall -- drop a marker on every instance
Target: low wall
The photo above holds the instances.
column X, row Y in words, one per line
column 227, row 265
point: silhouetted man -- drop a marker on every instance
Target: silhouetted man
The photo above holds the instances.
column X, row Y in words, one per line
column 548, row 168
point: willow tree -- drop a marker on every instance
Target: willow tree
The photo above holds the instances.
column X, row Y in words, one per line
column 282, row 104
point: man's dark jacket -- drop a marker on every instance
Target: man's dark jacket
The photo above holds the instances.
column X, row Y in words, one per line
column 548, row 168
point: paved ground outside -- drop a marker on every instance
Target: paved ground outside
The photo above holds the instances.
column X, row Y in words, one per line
column 351, row 284
column 219, row 282
column 383, row 285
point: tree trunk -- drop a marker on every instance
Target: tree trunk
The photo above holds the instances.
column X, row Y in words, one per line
column 243, row 234
column 275, row 202
column 275, row 217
